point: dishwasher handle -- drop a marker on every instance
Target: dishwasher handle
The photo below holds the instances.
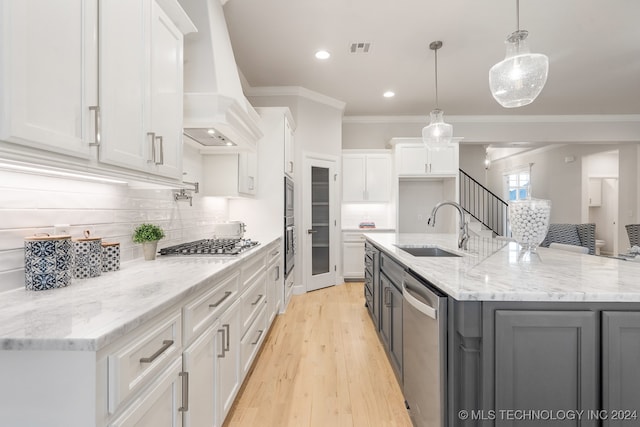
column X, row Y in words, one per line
column 423, row 308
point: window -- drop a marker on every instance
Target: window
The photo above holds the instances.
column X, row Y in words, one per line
column 517, row 185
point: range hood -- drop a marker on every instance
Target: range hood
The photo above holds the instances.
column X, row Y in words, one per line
column 216, row 112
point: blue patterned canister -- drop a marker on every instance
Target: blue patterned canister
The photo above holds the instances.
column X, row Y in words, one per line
column 47, row 262
column 87, row 257
column 110, row 256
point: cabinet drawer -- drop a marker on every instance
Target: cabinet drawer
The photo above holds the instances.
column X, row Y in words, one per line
column 153, row 407
column 142, row 357
column 251, row 271
column 201, row 312
column 353, row 237
column 253, row 300
column 274, row 255
column 252, row 340
column 392, row 269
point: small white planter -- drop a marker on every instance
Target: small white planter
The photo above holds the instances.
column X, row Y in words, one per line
column 149, row 250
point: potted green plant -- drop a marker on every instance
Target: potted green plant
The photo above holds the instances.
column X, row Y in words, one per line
column 148, row 235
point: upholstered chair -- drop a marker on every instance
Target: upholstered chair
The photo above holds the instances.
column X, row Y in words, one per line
column 572, row 234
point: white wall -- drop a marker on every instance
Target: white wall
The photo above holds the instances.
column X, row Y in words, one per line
column 34, row 203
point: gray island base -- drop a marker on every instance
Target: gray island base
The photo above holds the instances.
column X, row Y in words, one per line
column 552, row 340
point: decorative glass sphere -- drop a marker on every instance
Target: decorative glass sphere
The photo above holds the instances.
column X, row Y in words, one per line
column 519, row 78
column 438, row 132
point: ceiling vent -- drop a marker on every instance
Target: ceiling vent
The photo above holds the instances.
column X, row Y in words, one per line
column 360, row 47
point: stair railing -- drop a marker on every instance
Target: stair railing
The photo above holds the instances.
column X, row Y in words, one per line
column 483, row 205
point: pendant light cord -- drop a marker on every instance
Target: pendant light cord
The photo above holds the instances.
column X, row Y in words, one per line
column 436, row 65
column 518, row 14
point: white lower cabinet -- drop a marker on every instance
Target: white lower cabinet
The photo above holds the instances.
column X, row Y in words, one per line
column 227, row 361
column 181, row 367
column 199, row 362
column 353, row 260
column 160, row 405
column 275, row 283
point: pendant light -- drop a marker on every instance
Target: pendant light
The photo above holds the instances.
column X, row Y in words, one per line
column 519, row 78
column 437, row 132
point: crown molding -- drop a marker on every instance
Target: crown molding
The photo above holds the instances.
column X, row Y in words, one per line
column 578, row 118
column 295, row 91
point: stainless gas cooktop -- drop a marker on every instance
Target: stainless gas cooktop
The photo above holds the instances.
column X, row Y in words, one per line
column 210, row 247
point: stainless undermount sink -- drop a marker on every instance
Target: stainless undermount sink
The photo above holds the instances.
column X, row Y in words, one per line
column 426, row 251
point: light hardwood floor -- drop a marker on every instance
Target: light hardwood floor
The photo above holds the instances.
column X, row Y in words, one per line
column 321, row 365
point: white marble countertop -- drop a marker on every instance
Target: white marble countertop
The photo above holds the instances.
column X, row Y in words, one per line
column 91, row 313
column 492, row 271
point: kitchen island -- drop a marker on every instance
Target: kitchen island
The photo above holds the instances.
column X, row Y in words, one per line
column 529, row 340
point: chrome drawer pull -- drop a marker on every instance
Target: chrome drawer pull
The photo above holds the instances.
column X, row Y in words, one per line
column 227, row 294
column 185, row 392
column 165, row 345
column 223, row 339
column 258, row 339
column 153, row 147
column 226, row 326
column 97, row 131
column 258, row 300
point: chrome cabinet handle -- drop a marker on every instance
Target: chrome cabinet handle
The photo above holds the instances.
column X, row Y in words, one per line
column 277, row 272
column 223, row 339
column 96, row 125
column 311, row 231
column 227, row 294
column 165, row 345
column 290, row 284
column 226, row 326
column 258, row 300
column 185, row 392
column 252, row 184
column 290, row 166
column 161, row 144
column 258, row 339
column 153, row 147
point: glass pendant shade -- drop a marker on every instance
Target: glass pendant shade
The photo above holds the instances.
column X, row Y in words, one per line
column 519, row 78
column 437, row 132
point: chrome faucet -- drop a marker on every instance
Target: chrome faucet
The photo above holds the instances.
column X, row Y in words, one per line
column 464, row 227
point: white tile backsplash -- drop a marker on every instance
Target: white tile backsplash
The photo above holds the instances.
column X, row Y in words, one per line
column 383, row 214
column 33, row 204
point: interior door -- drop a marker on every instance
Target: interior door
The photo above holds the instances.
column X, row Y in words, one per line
column 320, row 242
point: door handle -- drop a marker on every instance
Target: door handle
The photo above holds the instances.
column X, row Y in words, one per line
column 311, row 231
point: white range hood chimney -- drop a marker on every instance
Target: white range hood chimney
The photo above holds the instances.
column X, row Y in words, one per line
column 216, row 112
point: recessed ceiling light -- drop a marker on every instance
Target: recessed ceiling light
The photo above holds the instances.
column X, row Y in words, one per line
column 389, row 94
column 211, row 132
column 323, row 54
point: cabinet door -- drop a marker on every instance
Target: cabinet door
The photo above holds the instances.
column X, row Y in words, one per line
column 546, row 360
column 385, row 315
column 199, row 361
column 620, row 373
column 378, row 178
column 288, row 148
column 595, row 191
column 444, row 160
column 395, row 343
column 412, row 160
column 353, row 260
column 353, row 179
column 248, row 172
column 48, row 60
column 228, row 360
column 158, row 405
column 274, row 290
column 124, row 74
column 166, row 93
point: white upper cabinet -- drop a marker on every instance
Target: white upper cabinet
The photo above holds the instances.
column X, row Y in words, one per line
column 366, row 177
column 141, row 87
column 77, row 74
column 414, row 159
column 288, row 147
column 48, row 75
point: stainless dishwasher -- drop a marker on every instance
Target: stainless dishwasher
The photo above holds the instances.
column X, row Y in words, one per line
column 424, row 335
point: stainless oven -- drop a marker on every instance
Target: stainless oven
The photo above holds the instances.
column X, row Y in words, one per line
column 289, row 228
